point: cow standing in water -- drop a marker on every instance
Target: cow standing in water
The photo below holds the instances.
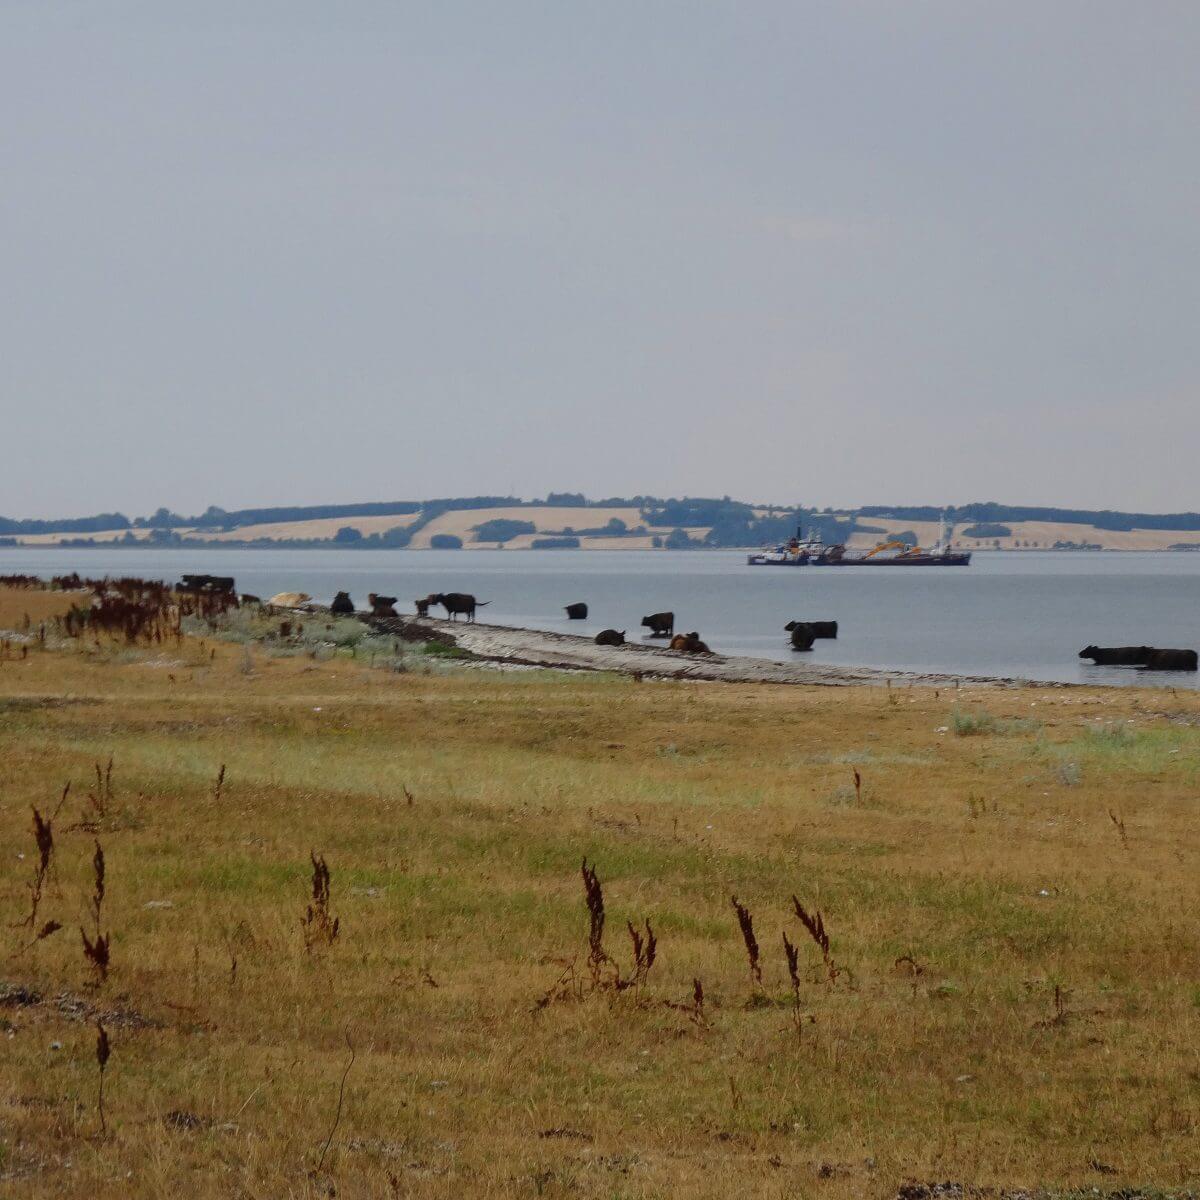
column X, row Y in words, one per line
column 458, row 602
column 660, row 624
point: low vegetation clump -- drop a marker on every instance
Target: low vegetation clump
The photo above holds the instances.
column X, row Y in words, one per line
column 311, row 929
column 987, row 529
column 973, row 722
column 502, row 530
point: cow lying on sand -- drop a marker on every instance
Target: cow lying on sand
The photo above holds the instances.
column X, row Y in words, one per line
column 689, row 643
column 610, row 637
column 660, row 624
column 289, row 599
column 458, row 602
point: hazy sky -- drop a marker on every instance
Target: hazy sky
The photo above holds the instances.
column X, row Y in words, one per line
column 258, row 253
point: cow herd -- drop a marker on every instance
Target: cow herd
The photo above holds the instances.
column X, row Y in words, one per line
column 662, row 624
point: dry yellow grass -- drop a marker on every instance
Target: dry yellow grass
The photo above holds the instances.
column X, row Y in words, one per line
column 22, row 607
column 973, row 874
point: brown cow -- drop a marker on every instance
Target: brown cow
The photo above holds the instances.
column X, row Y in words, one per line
column 381, row 606
column 689, row 643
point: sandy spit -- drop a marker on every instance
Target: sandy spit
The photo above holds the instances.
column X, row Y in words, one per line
column 535, row 647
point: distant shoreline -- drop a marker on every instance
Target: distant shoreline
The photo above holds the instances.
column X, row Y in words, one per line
column 474, row 547
column 565, row 521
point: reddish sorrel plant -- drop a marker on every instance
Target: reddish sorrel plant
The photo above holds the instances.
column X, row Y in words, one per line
column 97, row 951
column 815, row 924
column 793, row 965
column 645, row 950
column 746, row 922
column 698, row 1002
column 598, row 957
column 103, row 1050
column 857, row 787
column 319, row 925
column 100, row 799
column 1061, row 1016
column 219, row 784
column 43, row 836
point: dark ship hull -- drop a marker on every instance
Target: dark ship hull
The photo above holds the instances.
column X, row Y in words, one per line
column 825, row 560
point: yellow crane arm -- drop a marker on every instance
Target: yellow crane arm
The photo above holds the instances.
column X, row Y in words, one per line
column 892, row 546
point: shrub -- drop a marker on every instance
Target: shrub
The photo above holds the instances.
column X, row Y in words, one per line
column 967, row 723
column 502, row 529
column 444, row 650
column 677, row 539
column 445, row 541
column 555, row 543
column 347, row 534
column 987, row 530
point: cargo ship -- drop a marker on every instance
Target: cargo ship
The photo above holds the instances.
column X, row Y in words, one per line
column 814, row 552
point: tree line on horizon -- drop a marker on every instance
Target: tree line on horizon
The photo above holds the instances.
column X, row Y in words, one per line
column 729, row 522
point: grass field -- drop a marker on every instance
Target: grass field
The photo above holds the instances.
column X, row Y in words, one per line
column 1008, row 885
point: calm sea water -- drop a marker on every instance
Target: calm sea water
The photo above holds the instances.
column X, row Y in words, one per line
column 1008, row 614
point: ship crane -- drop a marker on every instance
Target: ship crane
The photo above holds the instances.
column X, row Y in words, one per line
column 903, row 547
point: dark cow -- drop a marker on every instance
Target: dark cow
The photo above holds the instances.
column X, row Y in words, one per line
column 1171, row 660
column 1117, row 656
column 802, row 634
column 423, row 605
column 206, row 583
column 689, row 643
column 820, row 629
column 458, row 602
column 610, row 637
column 246, row 598
column 576, row 612
column 660, row 624
column 381, row 606
column 342, row 605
